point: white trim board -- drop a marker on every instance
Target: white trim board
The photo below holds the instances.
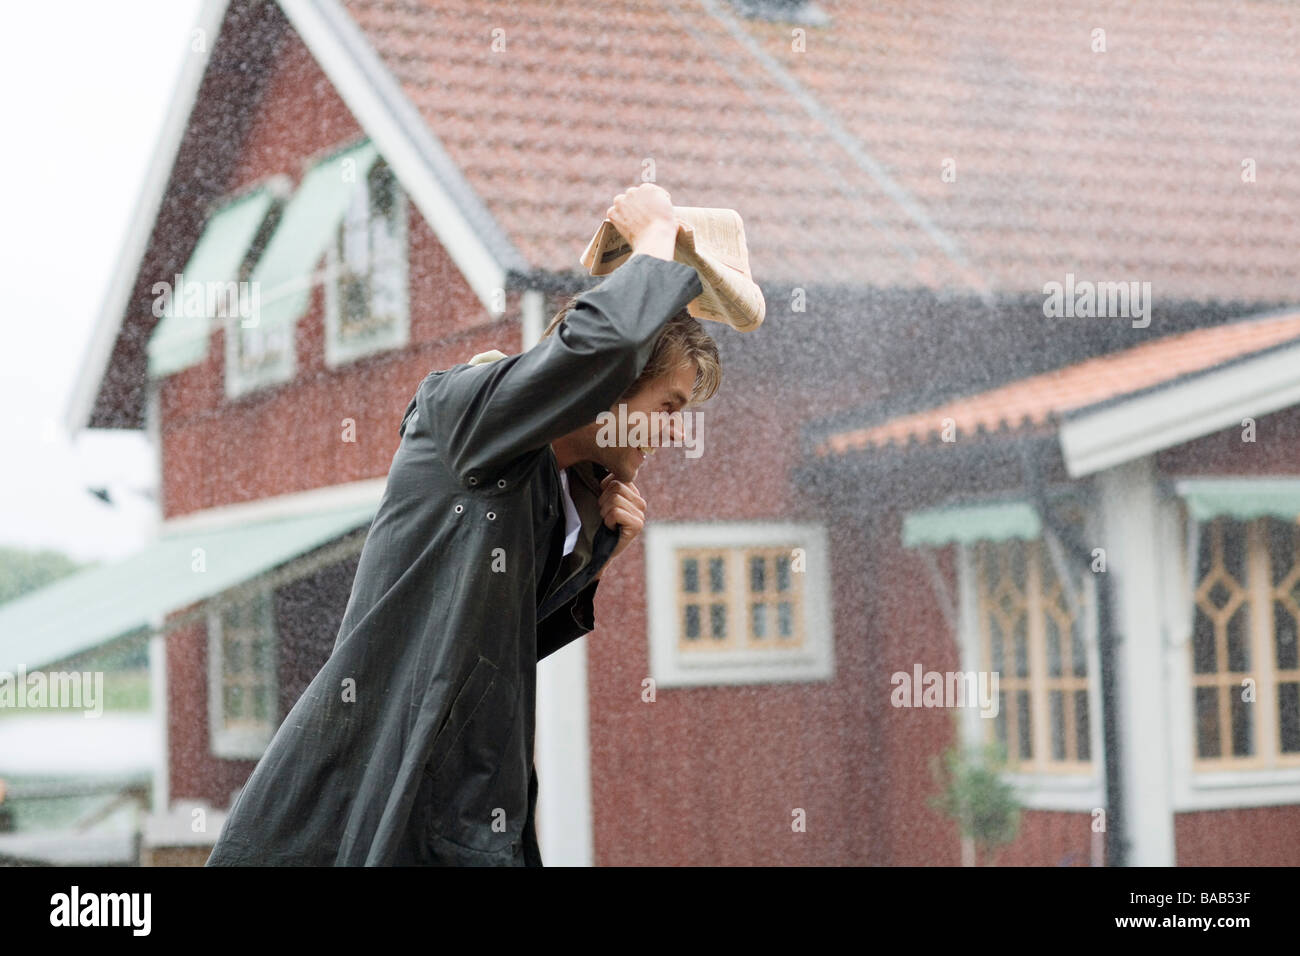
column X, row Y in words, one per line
column 1175, row 414
column 370, row 490
column 103, row 335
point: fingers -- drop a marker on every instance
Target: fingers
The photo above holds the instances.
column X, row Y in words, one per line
column 614, row 489
column 631, row 521
column 621, row 503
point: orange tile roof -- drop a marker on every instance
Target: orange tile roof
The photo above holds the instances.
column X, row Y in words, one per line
column 1041, row 400
column 1123, row 165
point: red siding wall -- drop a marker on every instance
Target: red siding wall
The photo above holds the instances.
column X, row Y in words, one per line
column 1257, row 836
column 702, row 775
column 288, row 438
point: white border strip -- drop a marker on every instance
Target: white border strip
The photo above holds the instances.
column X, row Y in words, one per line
column 103, row 335
column 1178, row 413
column 401, row 135
column 332, row 498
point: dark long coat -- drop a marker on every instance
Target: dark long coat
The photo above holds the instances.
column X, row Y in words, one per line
column 414, row 743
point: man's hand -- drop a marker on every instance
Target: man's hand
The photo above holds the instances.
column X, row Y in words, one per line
column 622, row 505
column 644, row 217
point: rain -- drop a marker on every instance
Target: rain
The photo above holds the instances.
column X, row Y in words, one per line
column 963, row 529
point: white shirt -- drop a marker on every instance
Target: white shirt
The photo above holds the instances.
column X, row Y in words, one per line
column 572, row 523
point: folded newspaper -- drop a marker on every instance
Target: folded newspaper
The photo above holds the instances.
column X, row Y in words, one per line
column 712, row 242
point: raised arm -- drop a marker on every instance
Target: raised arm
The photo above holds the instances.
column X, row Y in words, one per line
column 484, row 417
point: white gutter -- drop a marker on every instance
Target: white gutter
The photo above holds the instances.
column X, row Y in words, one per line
column 1172, row 415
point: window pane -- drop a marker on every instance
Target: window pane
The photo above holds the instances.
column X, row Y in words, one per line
column 233, row 702
column 1204, row 651
column 356, row 306
column 1022, row 647
column 692, row 622
column 1078, row 653
column 718, row 620
column 1239, row 640
column 262, row 702
column 1284, row 637
column 1053, row 647
column 690, row 575
column 1000, row 721
column 995, row 644
column 1288, row 714
column 1234, row 549
column 757, row 565
column 355, row 240
column 1207, row 722
column 758, row 620
column 1025, row 728
column 785, row 619
column 232, row 653
column 717, row 578
column 1056, row 699
column 783, row 573
column 1243, row 736
column 1082, row 732
column 1278, row 538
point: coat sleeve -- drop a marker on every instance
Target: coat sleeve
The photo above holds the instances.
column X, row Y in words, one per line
column 483, row 417
column 568, row 622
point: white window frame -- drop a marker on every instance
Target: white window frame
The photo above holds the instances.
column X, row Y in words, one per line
column 814, row 661
column 1071, row 792
column 238, row 382
column 239, row 743
column 337, row 352
column 1203, row 790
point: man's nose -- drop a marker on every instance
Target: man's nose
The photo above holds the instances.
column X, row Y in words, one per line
column 673, row 428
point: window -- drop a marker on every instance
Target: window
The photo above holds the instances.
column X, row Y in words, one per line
column 738, row 603
column 1244, row 665
column 242, row 686
column 1029, row 634
column 258, row 352
column 366, row 301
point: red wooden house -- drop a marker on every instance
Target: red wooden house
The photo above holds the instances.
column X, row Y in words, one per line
column 917, row 464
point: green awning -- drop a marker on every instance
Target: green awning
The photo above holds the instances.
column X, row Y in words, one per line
column 95, row 606
column 970, row 523
column 1241, row 498
column 305, row 230
column 181, row 337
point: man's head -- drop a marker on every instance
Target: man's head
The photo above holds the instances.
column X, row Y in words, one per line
column 683, row 370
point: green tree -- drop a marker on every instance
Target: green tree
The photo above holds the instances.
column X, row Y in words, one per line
column 24, row 571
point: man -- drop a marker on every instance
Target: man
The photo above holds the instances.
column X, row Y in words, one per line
column 414, row 743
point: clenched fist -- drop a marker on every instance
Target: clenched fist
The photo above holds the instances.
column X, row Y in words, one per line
column 643, row 215
column 621, row 505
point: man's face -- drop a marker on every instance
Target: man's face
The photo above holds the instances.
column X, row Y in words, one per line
column 668, row 393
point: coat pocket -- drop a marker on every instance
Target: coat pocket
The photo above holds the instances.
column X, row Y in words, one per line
column 477, row 802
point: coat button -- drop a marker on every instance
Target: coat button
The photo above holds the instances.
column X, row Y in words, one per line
column 459, row 509
column 492, row 516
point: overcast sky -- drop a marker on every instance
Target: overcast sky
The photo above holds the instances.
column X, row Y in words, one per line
column 86, row 86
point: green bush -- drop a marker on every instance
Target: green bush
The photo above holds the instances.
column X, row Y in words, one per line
column 973, row 793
